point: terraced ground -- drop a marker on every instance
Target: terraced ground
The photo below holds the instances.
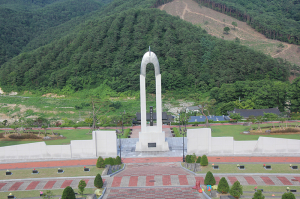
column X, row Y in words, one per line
column 214, row 22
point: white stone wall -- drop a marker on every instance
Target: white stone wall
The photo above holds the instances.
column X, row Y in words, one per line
column 199, row 141
column 106, row 143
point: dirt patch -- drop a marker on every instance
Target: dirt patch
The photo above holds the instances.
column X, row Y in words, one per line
column 53, row 95
column 214, row 22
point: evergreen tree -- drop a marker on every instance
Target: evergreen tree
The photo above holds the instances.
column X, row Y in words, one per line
column 98, row 182
column 68, row 193
column 236, row 190
column 258, row 195
column 204, row 161
column 198, row 159
column 100, row 162
column 288, row 195
column 81, row 186
column 188, row 159
column 118, row 160
column 223, row 186
column 209, row 179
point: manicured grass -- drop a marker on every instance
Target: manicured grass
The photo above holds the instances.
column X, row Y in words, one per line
column 52, row 172
column 235, row 132
column 249, row 168
column 36, row 193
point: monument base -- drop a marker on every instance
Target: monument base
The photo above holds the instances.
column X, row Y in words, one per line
column 152, row 142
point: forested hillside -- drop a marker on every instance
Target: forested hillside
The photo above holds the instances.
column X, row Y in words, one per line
column 109, row 51
column 276, row 19
column 20, row 23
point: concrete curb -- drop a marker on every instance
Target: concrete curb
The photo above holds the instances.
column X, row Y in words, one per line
column 58, row 178
column 103, row 192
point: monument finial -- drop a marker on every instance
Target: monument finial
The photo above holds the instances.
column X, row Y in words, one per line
column 149, row 51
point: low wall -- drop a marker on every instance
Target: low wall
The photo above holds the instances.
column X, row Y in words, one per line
column 199, row 141
column 104, row 140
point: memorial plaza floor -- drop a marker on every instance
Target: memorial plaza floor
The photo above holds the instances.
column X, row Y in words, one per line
column 151, row 177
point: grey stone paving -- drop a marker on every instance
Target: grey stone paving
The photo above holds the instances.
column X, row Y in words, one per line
column 141, row 181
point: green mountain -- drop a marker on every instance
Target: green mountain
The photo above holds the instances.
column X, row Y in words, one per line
column 276, row 19
column 23, row 21
column 108, row 50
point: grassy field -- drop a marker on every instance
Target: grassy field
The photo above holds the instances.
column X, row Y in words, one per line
column 52, row 172
column 36, row 193
column 249, row 168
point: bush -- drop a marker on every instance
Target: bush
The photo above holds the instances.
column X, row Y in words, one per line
column 209, row 179
column 188, row 159
column 258, row 195
column 24, row 136
column 100, row 162
column 223, row 186
column 288, row 195
column 118, row 160
column 109, row 161
column 198, row 159
column 236, row 190
column 81, row 186
column 98, row 182
column 204, row 161
column 68, row 193
column 193, row 158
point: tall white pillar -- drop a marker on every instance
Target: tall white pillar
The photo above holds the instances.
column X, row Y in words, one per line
column 143, row 103
column 158, row 104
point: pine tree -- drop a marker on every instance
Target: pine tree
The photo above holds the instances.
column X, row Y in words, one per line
column 223, row 186
column 81, row 186
column 204, row 161
column 288, row 195
column 258, row 195
column 100, row 162
column 209, row 179
column 118, row 160
column 198, row 159
column 98, row 181
column 68, row 193
column 188, row 158
column 236, row 190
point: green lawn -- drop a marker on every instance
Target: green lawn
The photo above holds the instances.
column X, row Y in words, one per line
column 249, row 168
column 52, row 172
column 36, row 193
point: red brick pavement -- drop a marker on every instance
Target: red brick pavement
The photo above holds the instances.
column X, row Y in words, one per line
column 284, row 180
column 116, row 182
column 217, row 179
column 32, row 185
column 2, row 185
column 66, row 183
column 183, row 180
column 250, row 180
column 231, row 179
column 166, row 180
column 201, row 179
column 49, row 184
column 15, row 186
column 267, row 180
column 147, row 193
column 85, row 162
column 150, row 181
column 133, row 181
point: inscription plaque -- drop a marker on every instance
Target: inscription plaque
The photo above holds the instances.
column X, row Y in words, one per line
column 151, row 115
column 151, row 144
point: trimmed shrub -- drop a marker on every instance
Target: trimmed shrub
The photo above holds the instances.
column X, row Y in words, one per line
column 223, row 186
column 109, row 160
column 288, row 195
column 209, row 179
column 81, row 186
column 68, row 193
column 188, row 159
column 118, row 160
column 236, row 190
column 204, row 161
column 193, row 158
column 198, row 159
column 24, row 136
column 258, row 195
column 100, row 162
column 98, row 182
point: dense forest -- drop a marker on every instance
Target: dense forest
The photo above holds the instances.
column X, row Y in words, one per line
column 276, row 19
column 110, row 50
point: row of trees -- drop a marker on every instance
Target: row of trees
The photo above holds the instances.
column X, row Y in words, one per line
column 275, row 19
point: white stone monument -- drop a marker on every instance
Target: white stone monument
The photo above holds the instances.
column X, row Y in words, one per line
column 151, row 138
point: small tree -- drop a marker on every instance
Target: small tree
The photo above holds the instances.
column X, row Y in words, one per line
column 188, row 158
column 198, row 159
column 118, row 160
column 68, row 193
column 236, row 190
column 234, row 24
column 223, row 186
column 209, row 179
column 288, row 195
column 81, row 186
column 258, row 195
column 100, row 162
column 193, row 158
column 109, row 161
column 98, row 182
column 226, row 30
column 204, row 161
